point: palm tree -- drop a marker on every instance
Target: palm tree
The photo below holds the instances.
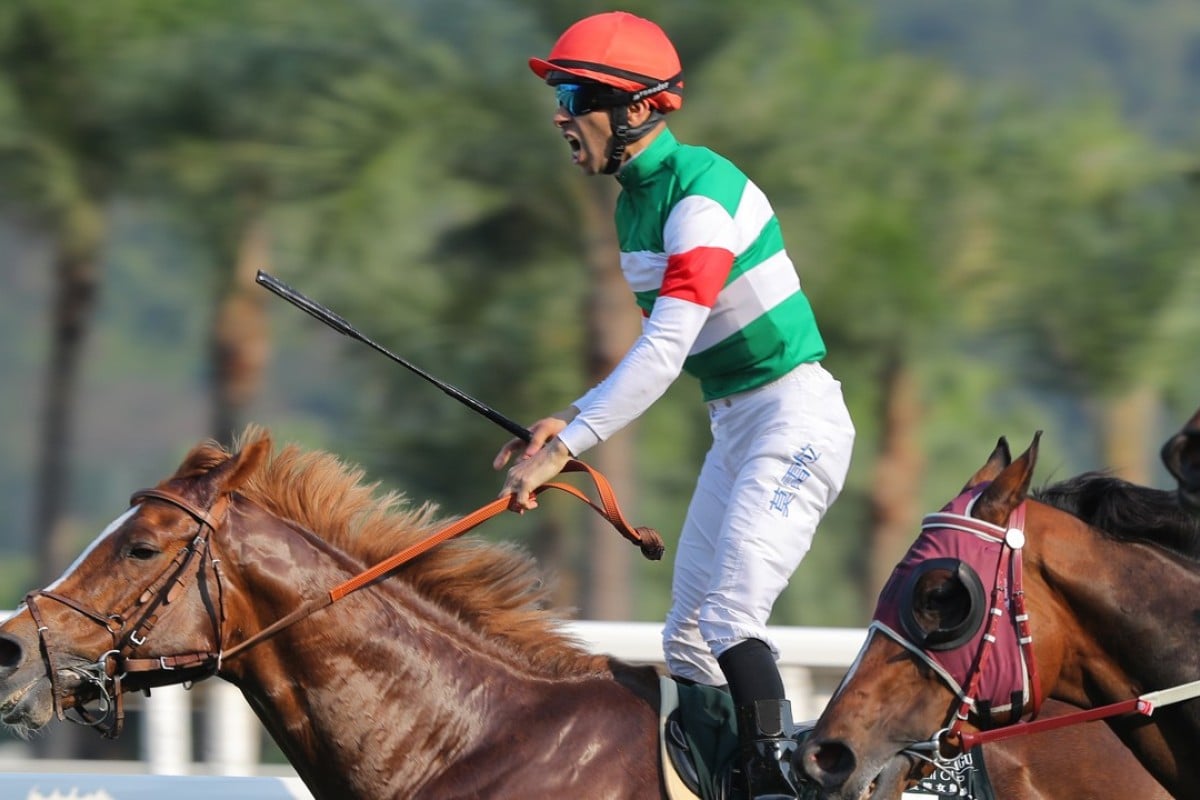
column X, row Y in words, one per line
column 1105, row 231
column 223, row 153
column 59, row 164
column 62, row 161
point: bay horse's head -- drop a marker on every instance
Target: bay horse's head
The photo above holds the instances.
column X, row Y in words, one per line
column 1181, row 456
column 948, row 646
column 78, row 644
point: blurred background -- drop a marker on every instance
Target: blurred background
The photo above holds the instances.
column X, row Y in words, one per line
column 993, row 206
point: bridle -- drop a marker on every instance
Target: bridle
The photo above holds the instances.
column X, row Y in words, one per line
column 966, row 672
column 1007, row 599
column 115, row 664
column 948, row 746
column 131, row 627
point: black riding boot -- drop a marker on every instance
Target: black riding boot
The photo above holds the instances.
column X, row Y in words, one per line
column 764, row 734
column 764, row 720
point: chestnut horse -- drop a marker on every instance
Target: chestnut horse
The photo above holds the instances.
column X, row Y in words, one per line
column 443, row 678
column 1092, row 614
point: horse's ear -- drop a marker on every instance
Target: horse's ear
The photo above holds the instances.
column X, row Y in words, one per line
column 1000, row 458
column 1193, row 424
column 241, row 465
column 1008, row 489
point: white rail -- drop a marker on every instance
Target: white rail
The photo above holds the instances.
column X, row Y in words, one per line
column 811, row 660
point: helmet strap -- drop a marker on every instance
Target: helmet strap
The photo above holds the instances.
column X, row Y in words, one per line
column 622, row 134
column 619, row 116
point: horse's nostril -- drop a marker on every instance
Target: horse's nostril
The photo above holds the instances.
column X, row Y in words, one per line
column 11, row 652
column 828, row 763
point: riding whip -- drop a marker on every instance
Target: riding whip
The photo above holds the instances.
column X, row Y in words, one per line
column 340, row 325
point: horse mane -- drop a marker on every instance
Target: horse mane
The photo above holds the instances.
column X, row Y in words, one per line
column 497, row 590
column 1126, row 510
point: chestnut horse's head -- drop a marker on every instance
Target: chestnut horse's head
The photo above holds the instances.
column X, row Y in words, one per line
column 98, row 630
column 948, row 646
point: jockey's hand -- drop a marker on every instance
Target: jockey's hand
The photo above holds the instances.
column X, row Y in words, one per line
column 540, row 432
column 540, row 460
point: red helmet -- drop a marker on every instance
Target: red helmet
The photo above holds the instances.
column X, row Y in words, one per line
column 620, row 50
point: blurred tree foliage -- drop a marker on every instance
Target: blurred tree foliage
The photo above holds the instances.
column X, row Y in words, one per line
column 1143, row 56
column 985, row 258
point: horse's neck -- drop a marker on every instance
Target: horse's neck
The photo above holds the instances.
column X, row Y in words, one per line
column 1130, row 629
column 366, row 694
column 369, row 668
column 349, row 701
column 1136, row 601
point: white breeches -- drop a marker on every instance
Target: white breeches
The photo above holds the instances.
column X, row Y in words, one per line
column 779, row 458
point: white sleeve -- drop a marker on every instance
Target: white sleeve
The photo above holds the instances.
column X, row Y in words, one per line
column 642, row 376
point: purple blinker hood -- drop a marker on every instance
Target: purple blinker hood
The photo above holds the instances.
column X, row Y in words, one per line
column 987, row 660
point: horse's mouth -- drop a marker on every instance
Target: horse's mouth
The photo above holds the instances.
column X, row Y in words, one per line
column 14, row 699
column 879, row 776
column 29, row 705
column 25, row 710
column 891, row 780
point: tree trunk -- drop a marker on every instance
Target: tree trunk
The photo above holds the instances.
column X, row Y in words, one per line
column 76, row 278
column 241, row 344
column 1130, row 435
column 612, row 322
column 76, row 259
column 895, row 495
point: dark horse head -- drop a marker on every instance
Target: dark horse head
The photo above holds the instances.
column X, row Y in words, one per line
column 1181, row 456
column 1090, row 590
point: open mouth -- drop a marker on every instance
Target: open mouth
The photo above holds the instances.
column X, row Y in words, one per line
column 12, row 710
column 83, row 684
column 890, row 781
column 575, row 145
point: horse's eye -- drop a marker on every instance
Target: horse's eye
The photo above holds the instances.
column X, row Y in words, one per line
column 142, row 552
column 943, row 604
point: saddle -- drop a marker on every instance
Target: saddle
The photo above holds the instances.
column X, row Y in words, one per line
column 699, row 750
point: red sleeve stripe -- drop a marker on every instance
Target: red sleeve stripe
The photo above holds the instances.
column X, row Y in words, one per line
column 697, row 276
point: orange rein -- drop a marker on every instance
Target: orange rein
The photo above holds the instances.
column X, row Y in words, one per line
column 647, row 539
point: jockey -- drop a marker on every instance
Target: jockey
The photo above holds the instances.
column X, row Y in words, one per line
column 702, row 250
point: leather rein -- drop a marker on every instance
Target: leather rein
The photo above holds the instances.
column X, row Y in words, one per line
column 131, row 628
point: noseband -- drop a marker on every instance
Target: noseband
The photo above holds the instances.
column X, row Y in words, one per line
column 132, row 627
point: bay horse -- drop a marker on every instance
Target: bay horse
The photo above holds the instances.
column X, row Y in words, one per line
column 446, row 677
column 1093, row 614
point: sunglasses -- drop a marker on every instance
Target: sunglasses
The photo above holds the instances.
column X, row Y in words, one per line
column 578, row 99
